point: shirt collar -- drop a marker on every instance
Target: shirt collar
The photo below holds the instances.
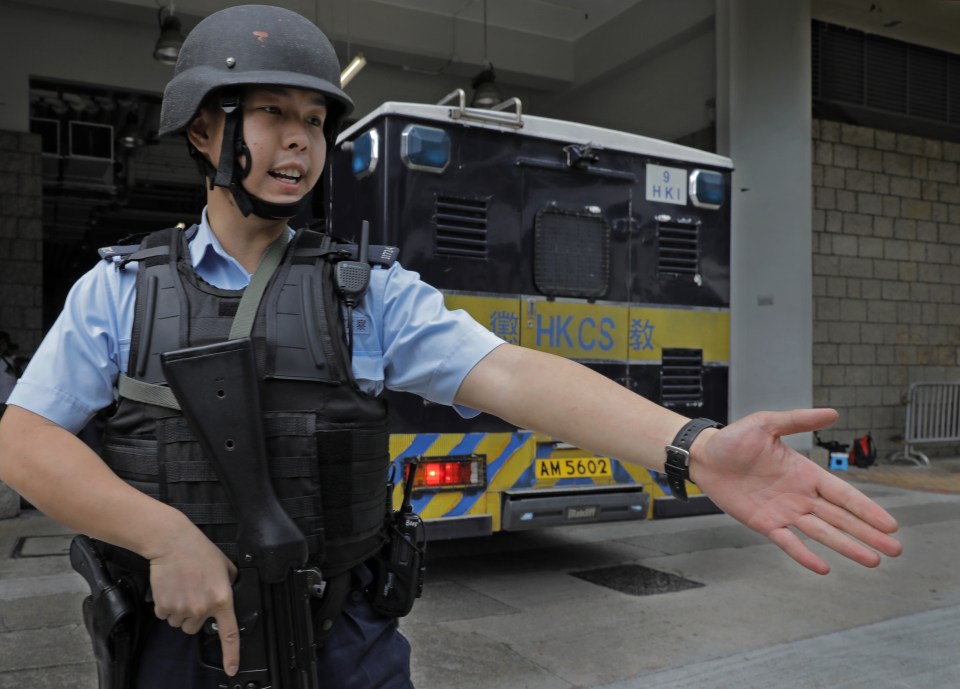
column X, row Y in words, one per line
column 205, row 243
column 212, row 262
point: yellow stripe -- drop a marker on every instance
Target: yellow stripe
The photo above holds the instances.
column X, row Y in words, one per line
column 440, row 504
column 600, row 331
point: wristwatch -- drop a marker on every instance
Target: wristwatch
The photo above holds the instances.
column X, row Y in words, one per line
column 677, row 466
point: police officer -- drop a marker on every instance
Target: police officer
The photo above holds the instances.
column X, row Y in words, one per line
column 256, row 93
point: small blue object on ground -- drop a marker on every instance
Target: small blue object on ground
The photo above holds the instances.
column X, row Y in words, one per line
column 839, row 461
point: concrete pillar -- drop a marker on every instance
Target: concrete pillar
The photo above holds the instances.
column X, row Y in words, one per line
column 764, row 125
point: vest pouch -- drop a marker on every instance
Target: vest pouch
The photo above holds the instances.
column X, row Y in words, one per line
column 354, row 463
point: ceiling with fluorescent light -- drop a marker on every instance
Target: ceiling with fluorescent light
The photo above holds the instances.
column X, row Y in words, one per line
column 533, row 43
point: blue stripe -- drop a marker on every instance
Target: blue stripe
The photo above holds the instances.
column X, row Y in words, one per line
column 421, row 502
column 466, row 502
column 620, row 475
column 527, row 478
column 421, row 443
column 516, row 442
column 468, row 445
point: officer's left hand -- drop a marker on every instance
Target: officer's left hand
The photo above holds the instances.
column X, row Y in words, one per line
column 759, row 480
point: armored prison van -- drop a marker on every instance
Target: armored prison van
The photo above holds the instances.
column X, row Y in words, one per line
column 605, row 247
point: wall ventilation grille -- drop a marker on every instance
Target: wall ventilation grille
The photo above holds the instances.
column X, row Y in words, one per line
column 877, row 76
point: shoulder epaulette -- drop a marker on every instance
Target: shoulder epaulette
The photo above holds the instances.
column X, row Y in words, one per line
column 380, row 255
column 335, row 249
column 109, row 253
column 147, row 245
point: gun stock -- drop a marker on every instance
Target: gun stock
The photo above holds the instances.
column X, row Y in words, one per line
column 217, row 388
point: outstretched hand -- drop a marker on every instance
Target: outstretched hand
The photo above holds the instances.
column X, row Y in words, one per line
column 753, row 476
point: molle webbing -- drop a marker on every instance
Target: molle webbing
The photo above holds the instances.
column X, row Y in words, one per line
column 133, row 460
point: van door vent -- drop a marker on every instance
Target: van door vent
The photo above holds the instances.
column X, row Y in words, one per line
column 678, row 251
column 571, row 253
column 461, row 226
column 681, row 378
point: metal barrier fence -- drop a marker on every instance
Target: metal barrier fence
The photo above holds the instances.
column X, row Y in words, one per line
column 933, row 416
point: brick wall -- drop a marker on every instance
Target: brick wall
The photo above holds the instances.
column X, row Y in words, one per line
column 886, row 274
column 21, row 238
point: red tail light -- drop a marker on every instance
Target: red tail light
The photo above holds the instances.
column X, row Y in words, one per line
column 446, row 472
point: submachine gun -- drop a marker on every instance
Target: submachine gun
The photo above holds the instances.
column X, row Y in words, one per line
column 218, row 383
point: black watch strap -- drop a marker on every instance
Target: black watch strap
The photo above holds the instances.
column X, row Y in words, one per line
column 677, row 465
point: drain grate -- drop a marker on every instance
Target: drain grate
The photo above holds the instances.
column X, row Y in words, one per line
column 41, row 546
column 637, row 580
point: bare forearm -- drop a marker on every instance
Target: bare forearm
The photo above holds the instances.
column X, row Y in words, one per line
column 63, row 478
column 568, row 401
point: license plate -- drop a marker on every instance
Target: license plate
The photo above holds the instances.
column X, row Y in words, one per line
column 574, row 467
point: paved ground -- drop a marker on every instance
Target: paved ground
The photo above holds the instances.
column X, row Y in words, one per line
column 942, row 476
column 505, row 612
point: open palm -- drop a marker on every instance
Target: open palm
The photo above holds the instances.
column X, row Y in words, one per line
column 756, row 478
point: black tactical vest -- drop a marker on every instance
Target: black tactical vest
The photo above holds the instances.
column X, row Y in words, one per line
column 327, row 441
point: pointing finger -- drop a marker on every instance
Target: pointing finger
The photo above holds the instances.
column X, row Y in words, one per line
column 229, row 634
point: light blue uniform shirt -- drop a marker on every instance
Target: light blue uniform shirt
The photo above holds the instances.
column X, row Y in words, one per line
column 404, row 337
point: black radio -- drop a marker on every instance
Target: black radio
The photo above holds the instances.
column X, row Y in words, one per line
column 399, row 567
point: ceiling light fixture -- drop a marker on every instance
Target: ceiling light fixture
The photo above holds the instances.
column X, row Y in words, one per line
column 351, row 70
column 356, row 64
column 170, row 40
column 486, row 93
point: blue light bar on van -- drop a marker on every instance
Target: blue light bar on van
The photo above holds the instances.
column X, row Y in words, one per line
column 366, row 152
column 425, row 148
column 707, row 189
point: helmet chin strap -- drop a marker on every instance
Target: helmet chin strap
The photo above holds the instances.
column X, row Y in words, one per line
column 229, row 175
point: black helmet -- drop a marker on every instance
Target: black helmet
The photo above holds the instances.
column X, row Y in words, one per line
column 251, row 44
